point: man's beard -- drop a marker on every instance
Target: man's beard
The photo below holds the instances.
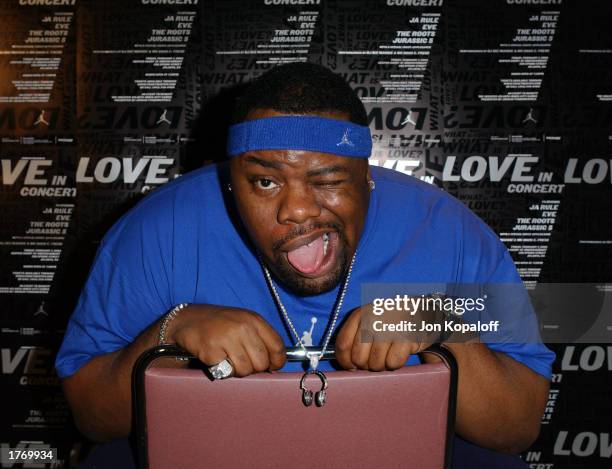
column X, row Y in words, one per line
column 304, row 286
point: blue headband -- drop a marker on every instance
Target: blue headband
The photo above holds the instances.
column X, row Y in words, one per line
column 309, row 133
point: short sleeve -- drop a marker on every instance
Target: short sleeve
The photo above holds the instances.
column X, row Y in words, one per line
column 519, row 338
column 128, row 289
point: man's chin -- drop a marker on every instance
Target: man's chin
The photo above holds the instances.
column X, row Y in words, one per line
column 307, row 286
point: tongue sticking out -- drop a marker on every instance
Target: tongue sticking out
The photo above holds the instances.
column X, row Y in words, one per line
column 307, row 259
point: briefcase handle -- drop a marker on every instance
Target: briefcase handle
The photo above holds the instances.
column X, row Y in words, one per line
column 294, row 354
column 298, row 354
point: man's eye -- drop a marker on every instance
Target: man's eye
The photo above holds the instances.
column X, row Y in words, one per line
column 264, row 183
column 330, row 183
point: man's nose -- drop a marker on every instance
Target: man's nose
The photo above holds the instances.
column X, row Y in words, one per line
column 298, row 205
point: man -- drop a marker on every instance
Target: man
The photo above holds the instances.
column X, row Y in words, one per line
column 302, row 223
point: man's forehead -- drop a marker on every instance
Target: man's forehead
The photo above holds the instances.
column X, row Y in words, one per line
column 294, row 156
column 293, row 159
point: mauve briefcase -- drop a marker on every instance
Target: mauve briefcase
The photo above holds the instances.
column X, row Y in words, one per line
column 401, row 418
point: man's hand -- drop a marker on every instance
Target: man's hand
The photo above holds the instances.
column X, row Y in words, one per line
column 358, row 345
column 493, row 386
column 214, row 333
column 211, row 333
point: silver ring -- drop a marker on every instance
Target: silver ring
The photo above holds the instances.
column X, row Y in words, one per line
column 222, row 370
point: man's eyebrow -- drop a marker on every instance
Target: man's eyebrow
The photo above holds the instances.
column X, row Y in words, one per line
column 266, row 164
column 328, row 170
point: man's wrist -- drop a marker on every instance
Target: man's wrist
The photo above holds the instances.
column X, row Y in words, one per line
column 446, row 334
column 162, row 338
column 446, row 315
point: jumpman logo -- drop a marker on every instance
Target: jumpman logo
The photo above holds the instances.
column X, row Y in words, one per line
column 163, row 118
column 530, row 117
column 345, row 140
column 307, row 335
column 41, row 119
column 41, row 310
column 408, row 119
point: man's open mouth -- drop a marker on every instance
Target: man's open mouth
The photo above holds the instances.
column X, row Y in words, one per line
column 313, row 255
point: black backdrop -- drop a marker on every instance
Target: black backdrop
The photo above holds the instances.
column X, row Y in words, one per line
column 506, row 104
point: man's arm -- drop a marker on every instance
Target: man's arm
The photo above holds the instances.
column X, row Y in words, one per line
column 99, row 393
column 499, row 401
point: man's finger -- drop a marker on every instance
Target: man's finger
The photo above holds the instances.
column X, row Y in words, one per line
column 240, row 360
column 275, row 347
column 209, row 357
column 362, row 346
column 345, row 339
column 257, row 351
column 417, row 348
column 398, row 354
column 378, row 356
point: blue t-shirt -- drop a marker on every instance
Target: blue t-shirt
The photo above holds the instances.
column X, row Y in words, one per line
column 181, row 245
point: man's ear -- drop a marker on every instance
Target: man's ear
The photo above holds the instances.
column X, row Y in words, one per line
column 369, row 180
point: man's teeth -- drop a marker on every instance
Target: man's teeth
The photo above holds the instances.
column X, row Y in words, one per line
column 325, row 243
